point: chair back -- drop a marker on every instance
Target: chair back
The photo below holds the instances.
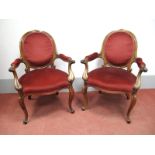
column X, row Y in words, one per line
column 119, row 48
column 37, row 48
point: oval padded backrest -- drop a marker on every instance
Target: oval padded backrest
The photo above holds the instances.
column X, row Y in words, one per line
column 37, row 48
column 119, row 47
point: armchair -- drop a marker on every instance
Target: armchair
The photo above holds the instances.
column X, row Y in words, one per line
column 38, row 53
column 119, row 52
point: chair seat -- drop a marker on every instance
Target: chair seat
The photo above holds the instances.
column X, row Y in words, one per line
column 112, row 79
column 44, row 80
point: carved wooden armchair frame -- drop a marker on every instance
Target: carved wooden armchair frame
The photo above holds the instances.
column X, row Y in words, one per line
column 142, row 68
column 50, row 64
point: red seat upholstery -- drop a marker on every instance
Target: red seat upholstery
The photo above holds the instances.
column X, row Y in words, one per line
column 110, row 78
column 44, row 80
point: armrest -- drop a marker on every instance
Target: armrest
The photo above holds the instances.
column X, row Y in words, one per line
column 65, row 58
column 12, row 69
column 141, row 64
column 90, row 57
column 15, row 64
column 85, row 61
column 142, row 68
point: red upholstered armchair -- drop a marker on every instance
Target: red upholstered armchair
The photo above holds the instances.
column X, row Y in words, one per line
column 119, row 51
column 38, row 52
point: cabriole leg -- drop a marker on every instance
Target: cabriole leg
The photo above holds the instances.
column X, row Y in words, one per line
column 71, row 96
column 22, row 105
column 132, row 104
column 85, row 103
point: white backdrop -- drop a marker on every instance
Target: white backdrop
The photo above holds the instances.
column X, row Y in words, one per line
column 79, row 28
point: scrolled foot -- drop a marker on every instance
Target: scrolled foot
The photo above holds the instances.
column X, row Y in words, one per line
column 71, row 110
column 83, row 108
column 128, row 120
column 25, row 122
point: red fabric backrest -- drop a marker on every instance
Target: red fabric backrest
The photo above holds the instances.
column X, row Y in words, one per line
column 119, row 47
column 37, row 48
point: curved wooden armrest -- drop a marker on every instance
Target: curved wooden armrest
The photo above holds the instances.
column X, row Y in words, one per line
column 141, row 64
column 85, row 61
column 65, row 58
column 15, row 64
column 91, row 57
column 12, row 69
column 142, row 68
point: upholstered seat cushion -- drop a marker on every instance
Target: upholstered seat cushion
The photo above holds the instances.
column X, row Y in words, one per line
column 43, row 80
column 112, row 79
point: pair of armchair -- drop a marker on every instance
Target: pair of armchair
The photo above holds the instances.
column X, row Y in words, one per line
column 38, row 53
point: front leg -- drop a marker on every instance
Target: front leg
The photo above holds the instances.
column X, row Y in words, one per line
column 22, row 105
column 85, row 103
column 132, row 104
column 71, row 96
